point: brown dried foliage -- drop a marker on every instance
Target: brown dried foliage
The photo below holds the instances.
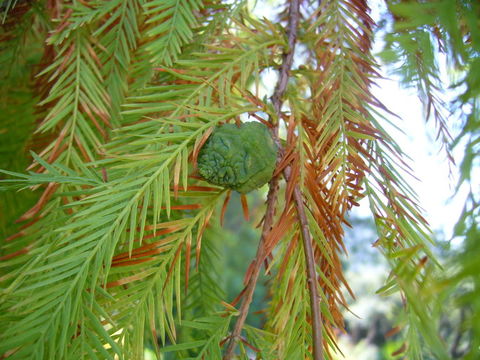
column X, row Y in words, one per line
column 336, row 153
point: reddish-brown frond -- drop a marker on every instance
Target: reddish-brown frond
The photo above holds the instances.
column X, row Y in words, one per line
column 332, row 157
column 244, row 202
column 280, row 228
column 224, row 206
column 172, row 265
column 46, row 195
column 199, row 142
column 201, row 228
column 128, row 279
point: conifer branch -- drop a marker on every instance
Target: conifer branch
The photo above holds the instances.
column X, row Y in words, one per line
column 300, row 207
column 277, row 100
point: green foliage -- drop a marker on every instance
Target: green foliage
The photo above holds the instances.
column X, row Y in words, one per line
column 211, row 331
column 423, row 30
column 240, row 158
column 173, row 22
column 122, row 249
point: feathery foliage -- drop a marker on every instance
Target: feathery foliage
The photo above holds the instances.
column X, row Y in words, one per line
column 118, row 247
column 450, row 28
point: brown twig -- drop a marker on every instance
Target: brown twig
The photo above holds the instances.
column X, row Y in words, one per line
column 277, row 100
column 287, row 61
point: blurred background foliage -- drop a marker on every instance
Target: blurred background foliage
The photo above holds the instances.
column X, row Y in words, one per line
column 407, row 34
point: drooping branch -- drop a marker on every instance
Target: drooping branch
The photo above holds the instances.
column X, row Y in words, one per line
column 300, row 207
column 277, row 100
